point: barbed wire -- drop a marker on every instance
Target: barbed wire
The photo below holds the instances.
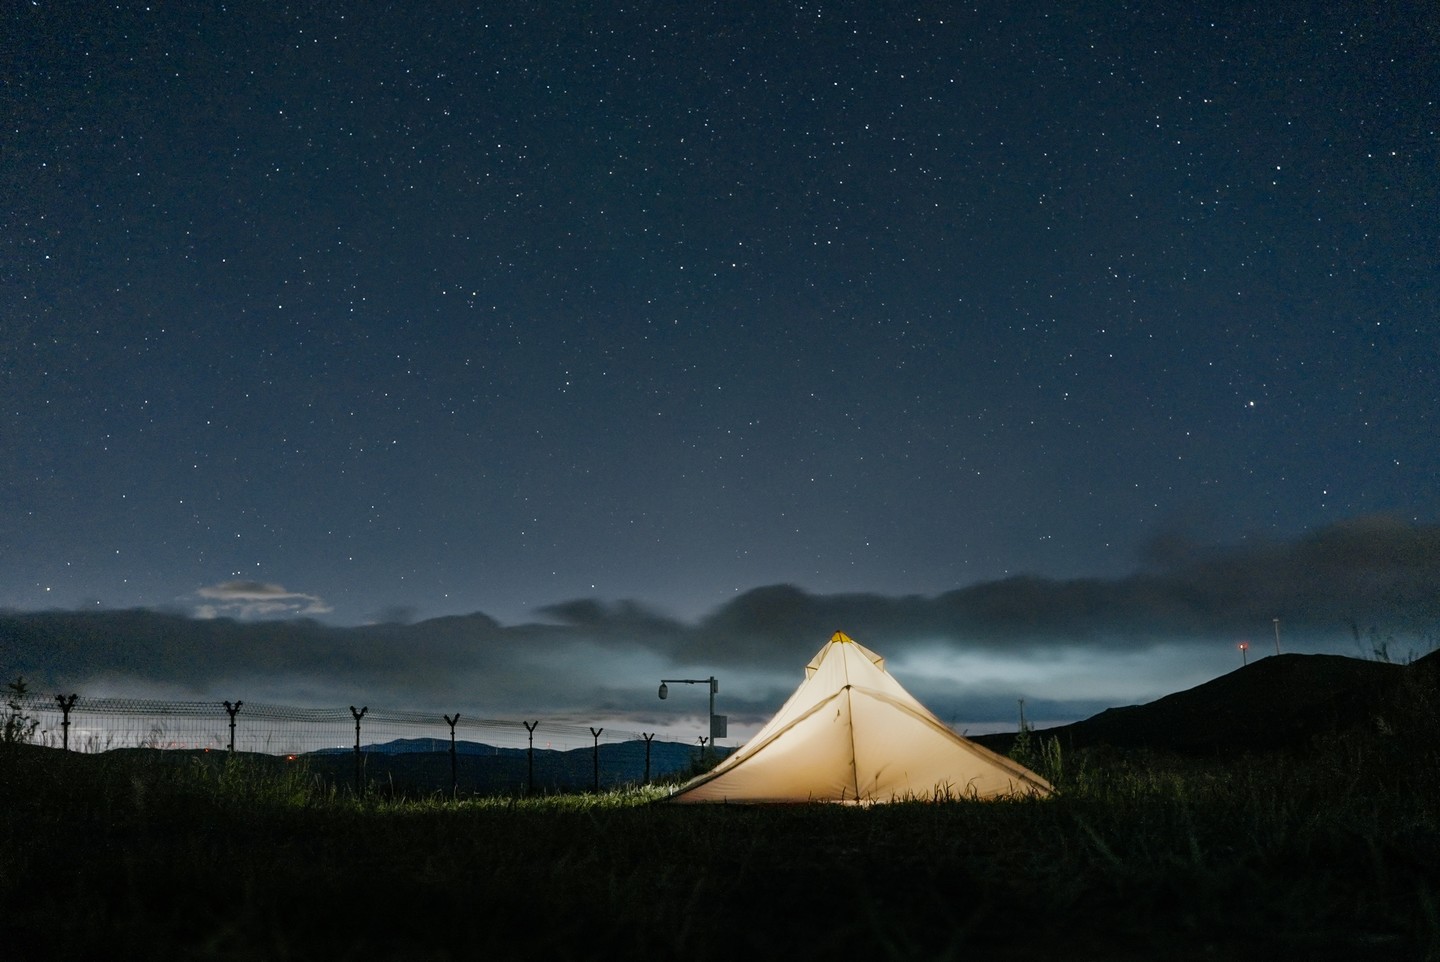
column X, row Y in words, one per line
column 98, row 724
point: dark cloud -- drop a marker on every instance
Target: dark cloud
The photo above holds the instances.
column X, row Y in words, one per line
column 1375, row 576
column 626, row 622
column 395, row 615
column 774, row 625
column 1372, row 572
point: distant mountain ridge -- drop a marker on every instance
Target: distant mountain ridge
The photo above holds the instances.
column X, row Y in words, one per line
column 411, row 746
column 423, row 765
column 1282, row 701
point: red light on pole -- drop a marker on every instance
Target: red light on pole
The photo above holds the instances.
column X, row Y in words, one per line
column 1244, row 647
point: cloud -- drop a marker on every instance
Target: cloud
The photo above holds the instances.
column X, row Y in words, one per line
column 1081, row 642
column 256, row 599
column 625, row 623
column 395, row 615
column 1370, row 573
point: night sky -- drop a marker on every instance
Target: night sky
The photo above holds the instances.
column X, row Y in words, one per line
column 553, row 311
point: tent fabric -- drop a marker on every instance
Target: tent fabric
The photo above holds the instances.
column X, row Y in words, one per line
column 851, row 733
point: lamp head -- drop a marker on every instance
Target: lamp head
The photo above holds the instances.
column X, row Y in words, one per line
column 664, row 691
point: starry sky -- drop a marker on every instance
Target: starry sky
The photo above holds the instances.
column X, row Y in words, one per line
column 566, row 313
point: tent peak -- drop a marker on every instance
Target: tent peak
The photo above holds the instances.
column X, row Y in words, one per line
column 840, row 637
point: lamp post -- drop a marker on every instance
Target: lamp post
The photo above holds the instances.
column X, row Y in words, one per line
column 1244, row 647
column 718, row 723
column 1277, row 635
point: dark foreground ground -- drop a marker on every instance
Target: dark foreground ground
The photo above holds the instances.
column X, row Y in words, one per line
column 1330, row 852
column 138, row 861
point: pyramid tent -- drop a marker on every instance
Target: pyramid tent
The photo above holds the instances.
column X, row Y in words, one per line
column 851, row 733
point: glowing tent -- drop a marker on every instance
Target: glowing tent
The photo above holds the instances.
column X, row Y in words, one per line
column 851, row 733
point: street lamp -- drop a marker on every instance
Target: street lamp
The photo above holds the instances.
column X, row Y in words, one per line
column 718, row 723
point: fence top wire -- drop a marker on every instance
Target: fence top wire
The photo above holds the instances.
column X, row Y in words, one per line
column 263, row 711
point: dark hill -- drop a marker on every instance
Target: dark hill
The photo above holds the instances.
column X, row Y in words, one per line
column 415, row 766
column 406, row 769
column 1278, row 702
column 421, row 746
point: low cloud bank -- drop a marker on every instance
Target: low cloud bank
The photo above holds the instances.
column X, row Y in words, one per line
column 1375, row 577
column 1350, row 584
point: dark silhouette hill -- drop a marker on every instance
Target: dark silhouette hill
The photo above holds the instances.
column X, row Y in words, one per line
column 410, row 767
column 1279, row 702
column 420, row 766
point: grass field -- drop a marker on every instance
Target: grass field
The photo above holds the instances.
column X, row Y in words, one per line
column 1329, row 853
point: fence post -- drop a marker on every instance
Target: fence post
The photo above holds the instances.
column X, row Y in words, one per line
column 65, row 705
column 231, row 710
column 454, row 777
column 596, row 733
column 530, row 727
column 358, row 715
